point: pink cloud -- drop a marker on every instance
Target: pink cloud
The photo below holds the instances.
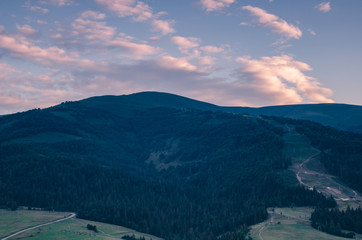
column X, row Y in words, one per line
column 35, row 8
column 93, row 15
column 276, row 24
column 21, row 91
column 140, row 12
column 92, row 29
column 206, row 60
column 214, row 5
column 5, row 70
column 140, row 49
column 103, row 36
column 163, row 26
column 56, row 36
column 324, row 7
column 38, row 9
column 282, row 80
column 126, row 8
column 185, row 43
column 312, row 32
column 183, row 64
column 59, row 3
column 40, row 22
column 23, row 49
column 27, row 30
column 212, row 49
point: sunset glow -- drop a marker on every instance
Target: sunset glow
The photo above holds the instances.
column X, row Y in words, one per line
column 228, row 52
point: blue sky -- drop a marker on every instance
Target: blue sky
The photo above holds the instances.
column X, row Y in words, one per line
column 228, row 52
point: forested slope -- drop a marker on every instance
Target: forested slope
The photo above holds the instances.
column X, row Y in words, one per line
column 174, row 173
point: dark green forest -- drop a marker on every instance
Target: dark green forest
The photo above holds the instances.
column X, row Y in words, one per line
column 341, row 151
column 337, row 222
column 173, row 173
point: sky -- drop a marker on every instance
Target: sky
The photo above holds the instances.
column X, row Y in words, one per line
column 226, row 52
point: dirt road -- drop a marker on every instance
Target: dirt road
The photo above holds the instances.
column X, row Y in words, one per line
column 72, row 215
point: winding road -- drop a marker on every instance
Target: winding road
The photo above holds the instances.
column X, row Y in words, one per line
column 72, row 215
column 301, row 168
column 261, row 230
column 327, row 184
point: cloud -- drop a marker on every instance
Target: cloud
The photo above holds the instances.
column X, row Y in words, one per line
column 93, row 15
column 280, row 80
column 312, row 32
column 40, row 22
column 265, row 81
column 22, row 91
column 27, row 30
column 185, row 43
column 215, row 5
column 206, row 60
column 128, row 8
column 139, row 49
column 5, row 70
column 38, row 9
column 92, row 29
column 177, row 64
column 276, row 24
column 59, row 3
column 103, row 36
column 139, row 12
column 324, row 7
column 23, row 49
column 163, row 26
column 28, row 5
column 212, row 49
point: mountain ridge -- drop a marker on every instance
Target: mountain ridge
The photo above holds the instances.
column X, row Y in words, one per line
column 148, row 167
column 339, row 115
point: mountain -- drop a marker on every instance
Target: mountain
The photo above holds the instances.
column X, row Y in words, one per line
column 342, row 116
column 152, row 164
column 167, row 165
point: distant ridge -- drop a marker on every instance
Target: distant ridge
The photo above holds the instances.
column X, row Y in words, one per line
column 171, row 100
column 342, row 116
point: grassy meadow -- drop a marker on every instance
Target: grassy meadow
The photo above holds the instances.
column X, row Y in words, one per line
column 289, row 223
column 75, row 229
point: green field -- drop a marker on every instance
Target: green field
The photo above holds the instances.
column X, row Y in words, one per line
column 12, row 221
column 297, row 147
column 289, row 223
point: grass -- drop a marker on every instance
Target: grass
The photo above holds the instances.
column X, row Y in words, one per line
column 293, row 224
column 12, row 221
column 297, row 147
column 75, row 229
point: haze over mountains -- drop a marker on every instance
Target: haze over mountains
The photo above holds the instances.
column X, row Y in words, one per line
column 167, row 165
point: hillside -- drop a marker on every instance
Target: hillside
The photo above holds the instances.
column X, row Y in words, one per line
column 342, row 116
column 174, row 173
column 44, row 225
